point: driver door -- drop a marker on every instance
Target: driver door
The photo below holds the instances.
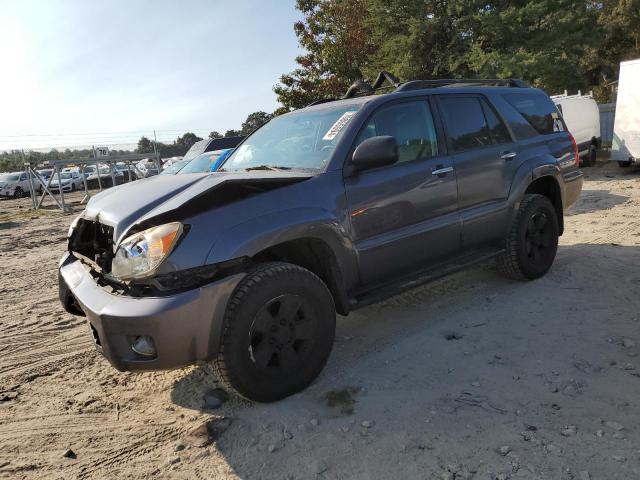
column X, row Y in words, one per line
column 404, row 216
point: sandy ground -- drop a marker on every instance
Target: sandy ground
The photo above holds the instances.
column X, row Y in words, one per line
column 474, row 376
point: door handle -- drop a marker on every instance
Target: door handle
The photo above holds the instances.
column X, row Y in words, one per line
column 442, row 171
column 508, row 155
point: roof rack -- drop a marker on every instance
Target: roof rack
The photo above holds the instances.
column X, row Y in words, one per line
column 459, row 82
column 361, row 87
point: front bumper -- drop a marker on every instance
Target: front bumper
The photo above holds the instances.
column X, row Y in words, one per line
column 185, row 327
column 66, row 187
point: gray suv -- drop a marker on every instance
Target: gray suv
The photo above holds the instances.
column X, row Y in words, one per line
column 322, row 210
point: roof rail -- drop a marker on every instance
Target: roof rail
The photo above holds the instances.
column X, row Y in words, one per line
column 467, row 82
column 322, row 100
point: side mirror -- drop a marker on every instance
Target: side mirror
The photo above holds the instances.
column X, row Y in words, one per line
column 375, row 152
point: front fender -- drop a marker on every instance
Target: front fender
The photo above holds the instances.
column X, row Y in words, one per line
column 253, row 236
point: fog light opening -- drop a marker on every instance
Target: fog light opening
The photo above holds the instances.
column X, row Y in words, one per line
column 144, row 346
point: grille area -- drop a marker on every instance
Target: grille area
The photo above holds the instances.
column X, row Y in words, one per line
column 94, row 241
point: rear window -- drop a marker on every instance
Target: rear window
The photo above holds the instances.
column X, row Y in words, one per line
column 539, row 111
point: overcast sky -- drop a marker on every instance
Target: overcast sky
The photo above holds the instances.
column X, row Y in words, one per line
column 74, row 69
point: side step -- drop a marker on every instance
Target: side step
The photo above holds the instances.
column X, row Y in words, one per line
column 383, row 291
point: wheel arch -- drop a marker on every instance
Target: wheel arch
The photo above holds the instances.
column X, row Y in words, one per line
column 310, row 238
column 548, row 186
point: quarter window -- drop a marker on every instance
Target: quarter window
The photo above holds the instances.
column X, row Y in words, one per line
column 539, row 111
column 410, row 123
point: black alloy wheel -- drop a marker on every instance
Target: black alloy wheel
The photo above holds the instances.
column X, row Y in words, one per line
column 282, row 334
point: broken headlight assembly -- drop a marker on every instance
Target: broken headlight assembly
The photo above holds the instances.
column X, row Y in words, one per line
column 139, row 255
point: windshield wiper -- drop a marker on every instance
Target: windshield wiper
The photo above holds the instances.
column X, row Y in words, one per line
column 266, row 167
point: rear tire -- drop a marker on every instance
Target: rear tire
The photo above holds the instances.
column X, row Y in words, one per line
column 590, row 158
column 532, row 242
column 278, row 332
column 624, row 164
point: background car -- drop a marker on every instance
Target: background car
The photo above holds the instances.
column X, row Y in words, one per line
column 70, row 181
column 15, row 185
column 45, row 173
column 205, row 162
column 582, row 116
column 106, row 179
column 174, row 168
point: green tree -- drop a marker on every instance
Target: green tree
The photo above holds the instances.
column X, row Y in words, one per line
column 541, row 41
column 254, row 121
column 232, row 133
column 187, row 140
column 215, row 134
column 337, row 44
column 144, row 146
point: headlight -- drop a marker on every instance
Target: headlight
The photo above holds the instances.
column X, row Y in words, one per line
column 139, row 255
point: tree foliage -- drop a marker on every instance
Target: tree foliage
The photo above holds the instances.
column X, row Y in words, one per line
column 336, row 42
column 553, row 44
column 254, row 121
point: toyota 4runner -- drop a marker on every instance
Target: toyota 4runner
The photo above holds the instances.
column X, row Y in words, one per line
column 322, row 210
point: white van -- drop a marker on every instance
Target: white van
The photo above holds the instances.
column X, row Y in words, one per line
column 625, row 147
column 582, row 116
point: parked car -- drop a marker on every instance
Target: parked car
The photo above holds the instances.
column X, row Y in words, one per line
column 212, row 144
column 146, row 168
column 45, row 174
column 582, row 116
column 322, row 210
column 205, row 162
column 106, row 179
column 174, row 168
column 15, row 184
column 626, row 128
column 70, row 180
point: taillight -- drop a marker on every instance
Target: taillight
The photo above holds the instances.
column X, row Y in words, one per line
column 575, row 150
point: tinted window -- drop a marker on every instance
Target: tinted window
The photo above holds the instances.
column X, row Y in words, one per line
column 499, row 132
column 466, row 124
column 538, row 110
column 410, row 123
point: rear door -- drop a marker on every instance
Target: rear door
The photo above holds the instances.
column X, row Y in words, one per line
column 404, row 216
column 485, row 159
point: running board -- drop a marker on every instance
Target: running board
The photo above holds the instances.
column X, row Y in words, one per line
column 390, row 289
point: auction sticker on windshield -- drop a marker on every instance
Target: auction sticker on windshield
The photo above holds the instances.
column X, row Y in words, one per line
column 339, row 125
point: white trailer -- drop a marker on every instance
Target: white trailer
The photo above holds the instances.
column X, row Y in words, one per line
column 625, row 147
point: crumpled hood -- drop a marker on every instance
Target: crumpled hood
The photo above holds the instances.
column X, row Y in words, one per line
column 130, row 203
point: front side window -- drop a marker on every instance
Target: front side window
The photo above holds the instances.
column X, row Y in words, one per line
column 466, row 124
column 410, row 123
column 299, row 140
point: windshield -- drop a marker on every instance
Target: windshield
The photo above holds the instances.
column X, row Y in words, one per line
column 65, row 175
column 9, row 177
column 201, row 163
column 303, row 140
column 45, row 172
column 174, row 168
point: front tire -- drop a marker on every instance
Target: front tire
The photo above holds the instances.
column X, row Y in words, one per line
column 18, row 193
column 624, row 163
column 532, row 242
column 278, row 332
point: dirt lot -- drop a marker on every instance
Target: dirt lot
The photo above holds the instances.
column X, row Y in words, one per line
column 474, row 376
